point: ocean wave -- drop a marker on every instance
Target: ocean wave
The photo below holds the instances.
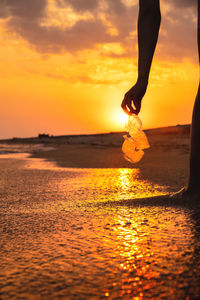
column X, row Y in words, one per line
column 17, row 148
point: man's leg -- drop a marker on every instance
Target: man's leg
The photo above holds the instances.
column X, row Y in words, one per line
column 194, row 179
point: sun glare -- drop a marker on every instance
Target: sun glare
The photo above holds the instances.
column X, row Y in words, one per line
column 122, row 118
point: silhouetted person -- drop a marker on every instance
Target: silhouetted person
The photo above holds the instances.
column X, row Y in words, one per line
column 148, row 29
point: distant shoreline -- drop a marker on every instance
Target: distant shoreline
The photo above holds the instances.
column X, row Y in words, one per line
column 74, row 138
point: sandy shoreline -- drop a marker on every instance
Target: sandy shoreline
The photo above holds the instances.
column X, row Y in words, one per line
column 165, row 163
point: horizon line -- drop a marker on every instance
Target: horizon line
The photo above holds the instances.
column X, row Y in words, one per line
column 47, row 135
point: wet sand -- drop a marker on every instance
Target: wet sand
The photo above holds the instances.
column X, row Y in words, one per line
column 66, row 235
column 165, row 163
column 69, row 229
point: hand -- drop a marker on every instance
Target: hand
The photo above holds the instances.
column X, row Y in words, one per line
column 134, row 97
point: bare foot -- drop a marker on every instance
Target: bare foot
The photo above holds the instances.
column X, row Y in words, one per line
column 178, row 195
column 184, row 195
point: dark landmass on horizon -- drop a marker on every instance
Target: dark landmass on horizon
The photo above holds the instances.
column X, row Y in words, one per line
column 116, row 137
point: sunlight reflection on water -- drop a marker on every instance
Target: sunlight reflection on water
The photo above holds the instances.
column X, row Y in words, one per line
column 60, row 240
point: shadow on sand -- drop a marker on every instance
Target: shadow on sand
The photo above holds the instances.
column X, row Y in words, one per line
column 167, row 200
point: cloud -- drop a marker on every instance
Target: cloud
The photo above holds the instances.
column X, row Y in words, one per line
column 178, row 32
column 177, row 37
column 183, row 3
column 122, row 17
column 83, row 5
column 25, row 20
column 83, row 35
column 25, row 8
column 4, row 12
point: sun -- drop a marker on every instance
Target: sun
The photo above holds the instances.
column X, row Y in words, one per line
column 122, row 118
column 117, row 120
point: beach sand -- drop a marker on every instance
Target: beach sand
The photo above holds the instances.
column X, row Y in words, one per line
column 165, row 163
column 82, row 232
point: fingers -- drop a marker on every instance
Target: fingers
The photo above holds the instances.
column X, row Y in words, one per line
column 127, row 105
column 131, row 110
column 138, row 107
column 128, row 109
column 123, row 106
column 131, row 103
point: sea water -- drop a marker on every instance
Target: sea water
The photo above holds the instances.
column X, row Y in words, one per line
column 65, row 236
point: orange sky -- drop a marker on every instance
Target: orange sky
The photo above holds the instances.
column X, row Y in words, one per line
column 65, row 66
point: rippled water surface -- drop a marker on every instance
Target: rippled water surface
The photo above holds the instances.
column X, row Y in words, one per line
column 64, row 236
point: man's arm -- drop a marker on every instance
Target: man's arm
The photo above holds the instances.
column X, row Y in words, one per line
column 148, row 28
